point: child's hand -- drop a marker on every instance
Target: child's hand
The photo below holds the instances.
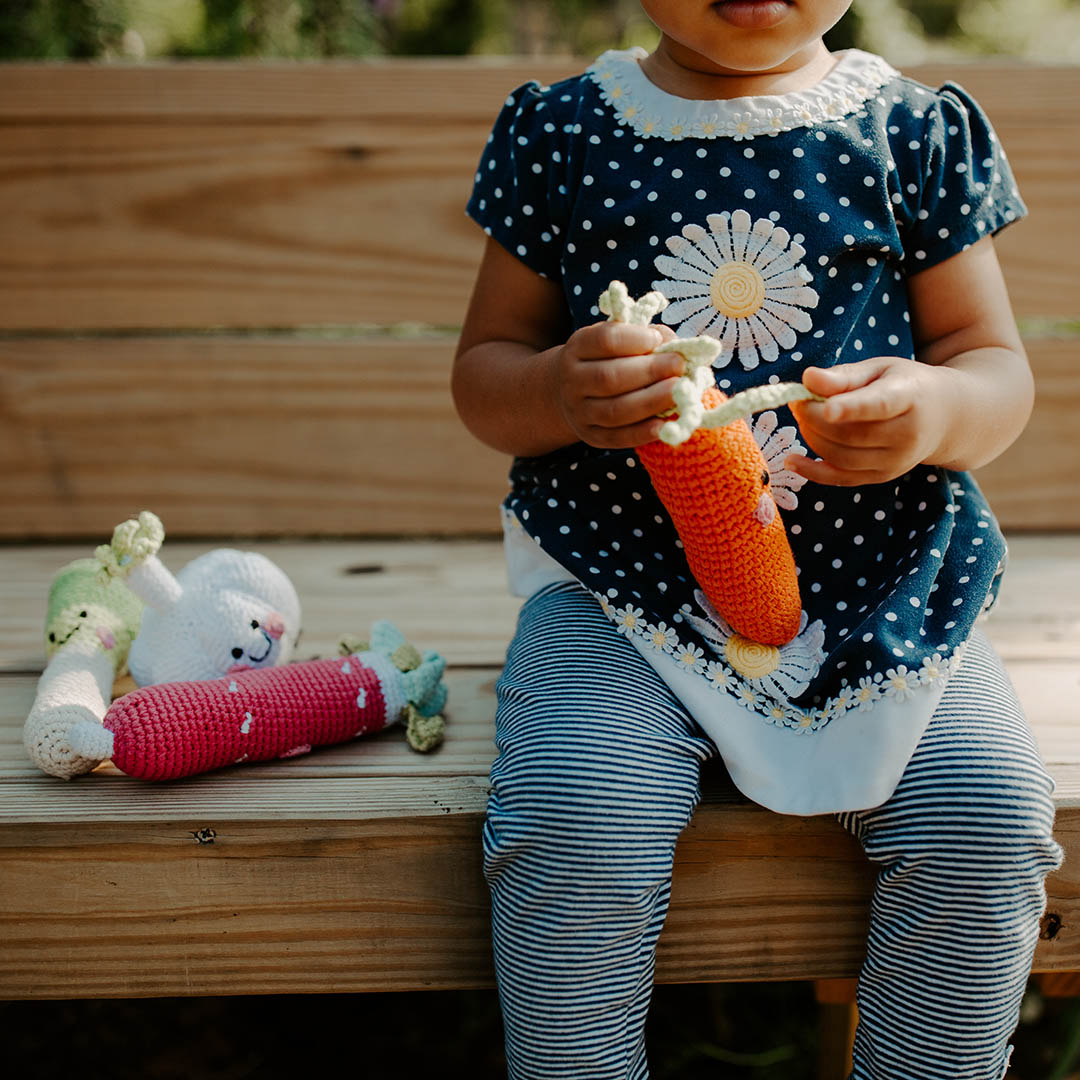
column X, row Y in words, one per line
column 883, row 416
column 609, row 389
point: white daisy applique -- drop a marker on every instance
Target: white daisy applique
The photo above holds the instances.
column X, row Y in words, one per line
column 776, row 444
column 661, row 637
column 740, row 281
column 899, row 683
column 780, row 672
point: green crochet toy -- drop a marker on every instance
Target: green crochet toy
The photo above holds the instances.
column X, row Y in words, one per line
column 90, row 625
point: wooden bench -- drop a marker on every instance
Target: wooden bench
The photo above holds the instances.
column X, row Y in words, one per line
column 228, row 293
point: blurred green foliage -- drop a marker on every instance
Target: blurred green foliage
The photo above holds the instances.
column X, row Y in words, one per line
column 903, row 30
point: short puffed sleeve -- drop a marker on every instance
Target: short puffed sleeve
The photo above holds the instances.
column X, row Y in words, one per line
column 518, row 196
column 967, row 189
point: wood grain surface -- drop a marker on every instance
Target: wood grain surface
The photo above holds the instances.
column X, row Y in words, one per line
column 358, row 867
column 251, row 195
column 239, row 437
column 261, row 436
column 167, row 211
column 240, row 883
column 452, row 596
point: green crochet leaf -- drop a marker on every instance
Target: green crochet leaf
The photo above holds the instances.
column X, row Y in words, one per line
column 423, row 733
column 352, row 643
column 406, row 657
column 133, row 542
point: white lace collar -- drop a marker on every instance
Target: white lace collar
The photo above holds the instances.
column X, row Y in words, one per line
column 650, row 111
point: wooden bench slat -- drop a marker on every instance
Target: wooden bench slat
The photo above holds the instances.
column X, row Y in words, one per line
column 205, row 443
column 268, row 907
column 379, row 774
column 451, row 596
column 27, row 801
column 1033, row 484
column 137, row 210
column 358, row 867
column 413, row 91
column 385, row 756
column 314, row 906
column 1037, row 616
column 224, row 433
column 218, row 436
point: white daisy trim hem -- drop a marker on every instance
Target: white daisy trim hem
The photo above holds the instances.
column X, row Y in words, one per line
column 640, row 104
column 762, row 679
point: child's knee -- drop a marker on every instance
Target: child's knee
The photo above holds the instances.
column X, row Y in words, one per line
column 996, row 817
column 584, row 812
column 570, row 793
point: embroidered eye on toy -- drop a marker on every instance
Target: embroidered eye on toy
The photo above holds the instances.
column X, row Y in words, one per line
column 714, row 481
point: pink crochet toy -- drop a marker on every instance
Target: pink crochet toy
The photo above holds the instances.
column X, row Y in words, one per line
column 171, row 730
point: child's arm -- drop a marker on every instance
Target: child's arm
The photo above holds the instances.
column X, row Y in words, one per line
column 523, row 387
column 961, row 403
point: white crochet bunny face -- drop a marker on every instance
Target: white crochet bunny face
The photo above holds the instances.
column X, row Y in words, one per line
column 230, row 611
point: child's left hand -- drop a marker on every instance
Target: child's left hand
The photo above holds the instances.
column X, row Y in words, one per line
column 883, row 416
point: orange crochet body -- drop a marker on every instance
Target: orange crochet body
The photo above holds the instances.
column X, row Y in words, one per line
column 715, row 486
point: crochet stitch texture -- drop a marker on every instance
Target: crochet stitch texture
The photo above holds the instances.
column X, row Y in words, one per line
column 89, row 628
column 179, row 729
column 715, row 486
column 172, row 730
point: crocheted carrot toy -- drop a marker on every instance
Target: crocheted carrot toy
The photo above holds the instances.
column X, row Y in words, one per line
column 712, row 478
column 178, row 729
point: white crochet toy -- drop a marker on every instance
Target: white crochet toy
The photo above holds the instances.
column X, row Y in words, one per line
column 226, row 611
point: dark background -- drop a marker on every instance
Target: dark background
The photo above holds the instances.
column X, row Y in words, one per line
column 746, row 1031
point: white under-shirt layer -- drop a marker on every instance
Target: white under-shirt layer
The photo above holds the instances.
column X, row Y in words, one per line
column 849, row 766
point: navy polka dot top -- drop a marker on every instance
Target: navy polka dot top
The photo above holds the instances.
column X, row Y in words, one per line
column 785, row 226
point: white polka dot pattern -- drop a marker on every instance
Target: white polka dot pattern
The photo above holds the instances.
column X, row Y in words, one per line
column 829, row 218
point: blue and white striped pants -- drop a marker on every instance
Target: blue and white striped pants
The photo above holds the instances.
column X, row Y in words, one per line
column 596, row 776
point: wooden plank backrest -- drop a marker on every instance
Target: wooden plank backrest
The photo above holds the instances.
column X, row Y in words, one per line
column 172, row 234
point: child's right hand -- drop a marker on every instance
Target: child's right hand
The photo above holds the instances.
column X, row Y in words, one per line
column 609, row 388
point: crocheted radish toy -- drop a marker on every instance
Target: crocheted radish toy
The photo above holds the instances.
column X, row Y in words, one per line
column 89, row 628
column 178, row 729
column 712, row 478
column 225, row 612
